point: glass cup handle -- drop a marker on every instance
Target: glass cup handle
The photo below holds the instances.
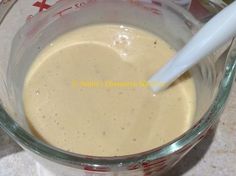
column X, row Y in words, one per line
column 232, row 50
column 5, row 6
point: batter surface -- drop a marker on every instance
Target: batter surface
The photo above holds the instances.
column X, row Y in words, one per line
column 86, row 93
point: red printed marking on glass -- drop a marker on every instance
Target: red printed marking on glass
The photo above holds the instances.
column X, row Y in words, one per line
column 99, row 169
column 42, row 5
column 62, row 11
column 75, row 6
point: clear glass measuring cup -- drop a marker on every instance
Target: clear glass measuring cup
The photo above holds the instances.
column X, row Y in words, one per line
column 213, row 77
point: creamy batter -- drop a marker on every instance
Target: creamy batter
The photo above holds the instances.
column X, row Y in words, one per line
column 86, row 93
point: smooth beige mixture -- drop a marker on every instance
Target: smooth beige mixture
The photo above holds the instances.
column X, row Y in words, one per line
column 86, row 93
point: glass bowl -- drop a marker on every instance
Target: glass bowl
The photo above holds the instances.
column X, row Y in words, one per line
column 213, row 78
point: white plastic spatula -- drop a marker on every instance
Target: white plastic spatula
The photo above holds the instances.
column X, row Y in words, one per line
column 216, row 32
